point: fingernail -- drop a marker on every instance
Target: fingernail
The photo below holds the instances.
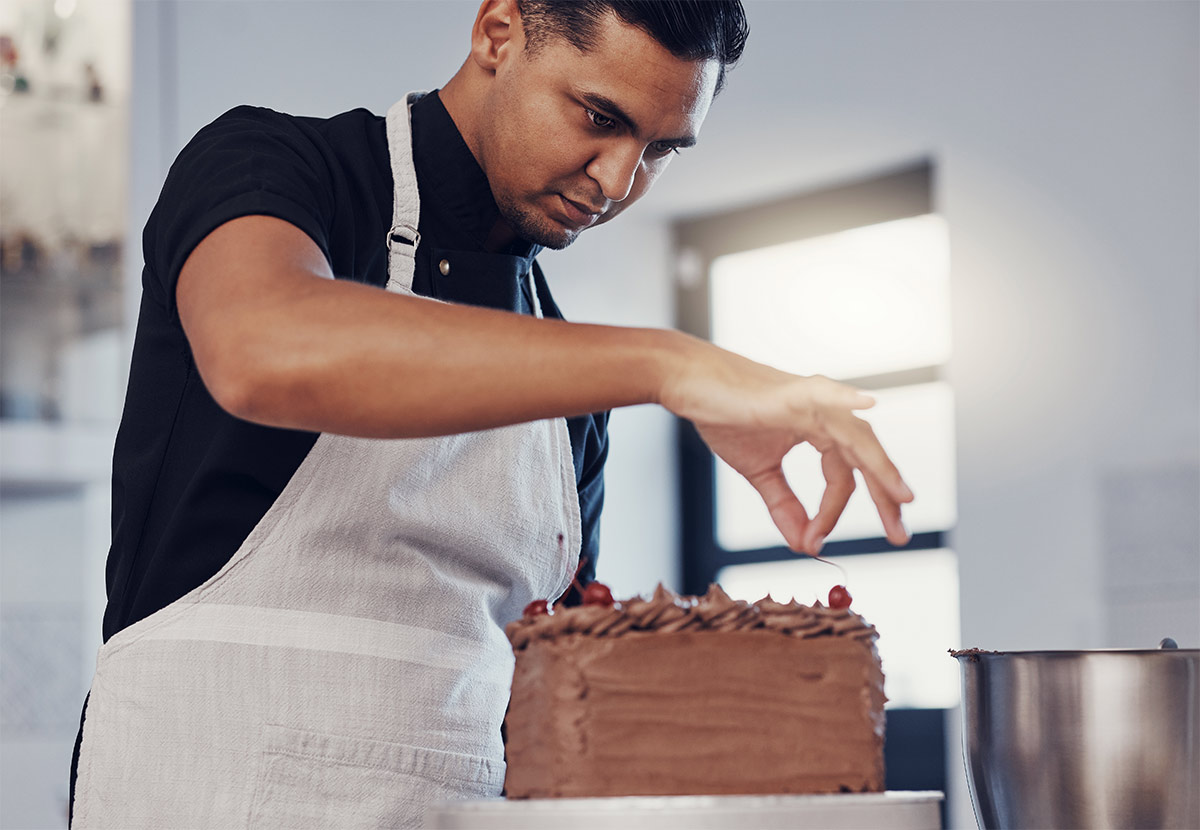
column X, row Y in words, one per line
column 818, row 543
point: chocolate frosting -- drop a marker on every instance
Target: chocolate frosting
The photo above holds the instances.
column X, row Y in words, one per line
column 667, row 611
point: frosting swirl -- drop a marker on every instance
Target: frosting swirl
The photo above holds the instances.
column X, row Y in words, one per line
column 667, row 611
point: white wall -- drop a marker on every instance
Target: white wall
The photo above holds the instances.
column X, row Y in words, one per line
column 1065, row 137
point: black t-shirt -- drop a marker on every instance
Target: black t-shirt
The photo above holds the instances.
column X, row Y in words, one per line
column 191, row 481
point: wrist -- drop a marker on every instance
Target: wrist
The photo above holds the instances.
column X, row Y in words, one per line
column 670, row 353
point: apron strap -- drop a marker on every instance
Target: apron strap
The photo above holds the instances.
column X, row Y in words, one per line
column 533, row 295
column 402, row 237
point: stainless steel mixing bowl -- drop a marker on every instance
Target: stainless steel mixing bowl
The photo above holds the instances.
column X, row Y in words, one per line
column 1074, row 739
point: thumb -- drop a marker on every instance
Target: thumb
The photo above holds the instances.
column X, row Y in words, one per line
column 786, row 511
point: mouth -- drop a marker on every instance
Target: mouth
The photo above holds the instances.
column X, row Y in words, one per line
column 578, row 214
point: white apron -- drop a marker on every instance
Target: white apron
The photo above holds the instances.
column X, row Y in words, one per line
column 348, row 665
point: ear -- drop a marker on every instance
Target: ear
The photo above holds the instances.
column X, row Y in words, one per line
column 497, row 33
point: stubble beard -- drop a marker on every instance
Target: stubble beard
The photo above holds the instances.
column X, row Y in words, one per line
column 533, row 227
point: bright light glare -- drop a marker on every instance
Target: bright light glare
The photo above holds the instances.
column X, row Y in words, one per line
column 914, row 423
column 65, row 8
column 911, row 597
column 861, row 302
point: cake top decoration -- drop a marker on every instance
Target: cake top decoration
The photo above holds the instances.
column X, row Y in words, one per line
column 667, row 611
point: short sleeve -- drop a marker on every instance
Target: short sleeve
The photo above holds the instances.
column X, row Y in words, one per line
column 250, row 161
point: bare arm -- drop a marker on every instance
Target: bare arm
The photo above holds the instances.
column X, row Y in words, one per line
column 278, row 342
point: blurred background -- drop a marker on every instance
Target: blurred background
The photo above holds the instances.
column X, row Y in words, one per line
column 987, row 213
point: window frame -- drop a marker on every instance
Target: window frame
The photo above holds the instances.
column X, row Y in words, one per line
column 898, row 194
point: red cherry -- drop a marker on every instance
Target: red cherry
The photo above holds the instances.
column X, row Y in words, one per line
column 597, row 593
column 538, row 606
column 839, row 597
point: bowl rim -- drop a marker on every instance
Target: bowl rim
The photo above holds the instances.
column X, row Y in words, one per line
column 975, row 654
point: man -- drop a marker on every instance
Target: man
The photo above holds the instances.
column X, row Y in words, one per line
column 358, row 440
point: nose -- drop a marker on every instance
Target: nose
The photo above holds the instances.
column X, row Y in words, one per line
column 614, row 169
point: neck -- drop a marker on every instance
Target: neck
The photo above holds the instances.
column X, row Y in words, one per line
column 500, row 238
column 462, row 97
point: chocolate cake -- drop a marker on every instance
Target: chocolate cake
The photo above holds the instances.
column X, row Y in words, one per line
column 681, row 695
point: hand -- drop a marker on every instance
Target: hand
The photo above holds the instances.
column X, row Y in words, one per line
column 751, row 415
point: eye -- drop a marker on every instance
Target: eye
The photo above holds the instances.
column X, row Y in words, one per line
column 663, row 148
column 601, row 121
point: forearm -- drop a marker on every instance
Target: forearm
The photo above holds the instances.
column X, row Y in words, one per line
column 351, row 359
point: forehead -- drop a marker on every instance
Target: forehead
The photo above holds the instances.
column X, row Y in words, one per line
column 666, row 95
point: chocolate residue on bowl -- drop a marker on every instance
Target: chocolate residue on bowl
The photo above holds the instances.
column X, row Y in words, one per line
column 971, row 654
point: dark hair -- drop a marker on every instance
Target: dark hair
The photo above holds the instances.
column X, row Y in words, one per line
column 688, row 29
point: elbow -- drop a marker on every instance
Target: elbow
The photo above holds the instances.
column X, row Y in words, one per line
column 231, row 386
column 256, row 376
column 239, row 383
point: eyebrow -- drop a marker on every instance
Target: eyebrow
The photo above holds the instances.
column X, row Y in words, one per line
column 610, row 108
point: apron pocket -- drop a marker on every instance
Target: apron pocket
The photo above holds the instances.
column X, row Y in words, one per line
column 307, row 779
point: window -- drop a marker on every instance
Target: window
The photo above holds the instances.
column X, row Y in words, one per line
column 871, row 306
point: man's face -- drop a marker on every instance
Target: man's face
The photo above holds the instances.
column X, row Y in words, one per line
column 570, row 139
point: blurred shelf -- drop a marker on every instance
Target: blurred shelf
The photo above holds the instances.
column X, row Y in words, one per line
column 46, row 458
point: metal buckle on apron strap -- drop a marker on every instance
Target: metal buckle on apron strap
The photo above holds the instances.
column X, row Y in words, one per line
column 406, row 234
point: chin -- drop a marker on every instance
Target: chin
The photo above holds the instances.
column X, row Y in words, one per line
column 556, row 241
column 539, row 229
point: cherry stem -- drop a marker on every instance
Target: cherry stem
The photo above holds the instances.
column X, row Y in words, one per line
column 845, row 578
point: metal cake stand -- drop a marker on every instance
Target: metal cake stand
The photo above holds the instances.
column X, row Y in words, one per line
column 887, row 811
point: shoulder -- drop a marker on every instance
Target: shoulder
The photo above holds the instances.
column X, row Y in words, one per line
column 339, row 156
column 247, row 114
column 248, row 121
column 310, row 172
column 261, row 126
column 253, row 149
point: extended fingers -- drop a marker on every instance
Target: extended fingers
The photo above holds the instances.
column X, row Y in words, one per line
column 889, row 512
column 859, row 443
column 860, row 446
